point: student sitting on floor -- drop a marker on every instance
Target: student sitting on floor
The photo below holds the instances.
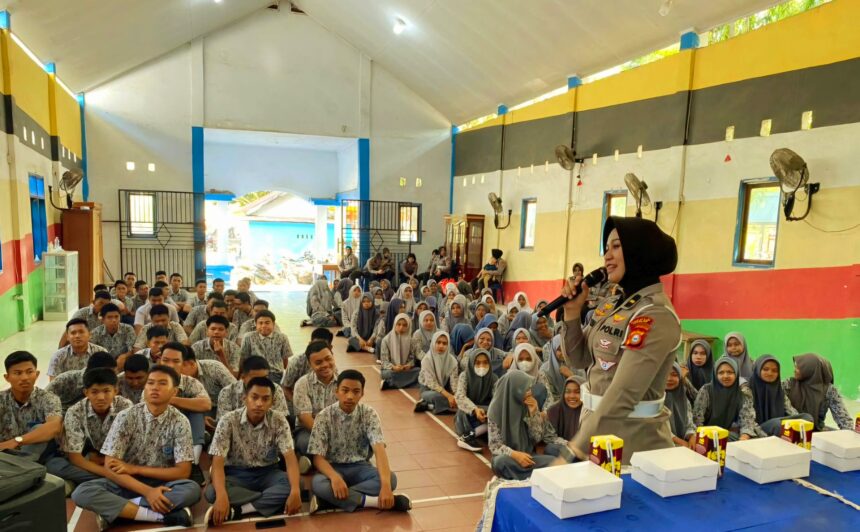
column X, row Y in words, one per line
column 246, row 478
column 681, row 418
column 74, row 355
column 30, row 418
column 363, row 326
column 527, row 361
column 344, row 438
column 725, row 403
column 217, row 346
column 438, row 377
column 69, row 387
column 298, row 364
column 565, row 414
column 772, row 405
column 85, row 427
column 160, row 317
column 133, row 379
column 212, row 375
column 313, row 392
column 554, row 372
column 149, row 453
column 484, row 339
column 251, row 325
column 268, row 343
column 735, row 346
column 812, row 392
column 420, row 308
column 156, row 338
column 191, row 399
column 320, row 306
column 114, row 336
column 474, row 392
column 232, row 397
column 516, row 426
column 201, row 330
column 423, row 335
column 457, row 313
column 398, row 360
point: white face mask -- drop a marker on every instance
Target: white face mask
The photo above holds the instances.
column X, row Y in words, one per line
column 525, row 365
column 480, row 372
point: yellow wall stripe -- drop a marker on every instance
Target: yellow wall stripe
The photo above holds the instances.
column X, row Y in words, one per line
column 29, row 84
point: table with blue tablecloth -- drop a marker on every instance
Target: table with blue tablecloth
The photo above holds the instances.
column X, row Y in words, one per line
column 737, row 503
column 844, row 484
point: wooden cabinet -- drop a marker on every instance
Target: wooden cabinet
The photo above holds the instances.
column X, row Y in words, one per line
column 464, row 240
column 82, row 232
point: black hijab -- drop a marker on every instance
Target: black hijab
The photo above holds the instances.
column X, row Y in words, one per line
column 648, row 252
column 700, row 375
column 769, row 398
column 725, row 403
column 676, row 402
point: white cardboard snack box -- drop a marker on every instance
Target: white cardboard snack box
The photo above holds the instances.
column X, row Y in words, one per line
column 837, row 449
column 674, row 471
column 769, row 459
column 576, row 489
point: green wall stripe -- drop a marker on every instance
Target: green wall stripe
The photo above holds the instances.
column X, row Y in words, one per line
column 32, row 291
column 838, row 340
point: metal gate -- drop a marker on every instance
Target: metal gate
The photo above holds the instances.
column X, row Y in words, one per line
column 368, row 226
column 158, row 231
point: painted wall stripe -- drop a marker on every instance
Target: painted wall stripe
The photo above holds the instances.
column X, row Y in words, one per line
column 364, row 196
column 198, row 187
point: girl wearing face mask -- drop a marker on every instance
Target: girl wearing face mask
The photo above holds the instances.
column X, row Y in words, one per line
column 527, row 361
column 438, row 377
column 515, row 426
column 398, row 360
column 725, row 403
column 564, row 415
column 474, row 393
column 484, row 342
column 423, row 335
column 519, row 336
column 364, row 327
column 554, row 372
column 771, row 402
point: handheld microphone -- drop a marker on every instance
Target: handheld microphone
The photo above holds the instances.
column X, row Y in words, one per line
column 596, row 277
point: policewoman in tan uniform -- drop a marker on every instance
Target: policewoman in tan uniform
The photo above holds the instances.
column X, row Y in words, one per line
column 628, row 346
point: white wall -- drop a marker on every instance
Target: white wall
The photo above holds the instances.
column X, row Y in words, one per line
column 410, row 139
column 243, row 168
column 273, row 71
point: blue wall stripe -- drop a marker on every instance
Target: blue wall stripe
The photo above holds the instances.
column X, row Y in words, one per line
column 364, row 196
column 198, row 188
column 85, row 187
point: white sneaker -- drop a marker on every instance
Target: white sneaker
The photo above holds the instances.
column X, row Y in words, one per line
column 370, row 349
column 314, row 505
column 101, row 523
column 304, row 464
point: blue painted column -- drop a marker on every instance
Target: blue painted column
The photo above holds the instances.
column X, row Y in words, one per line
column 364, row 199
column 502, row 109
column 573, row 82
column 197, row 178
column 85, row 187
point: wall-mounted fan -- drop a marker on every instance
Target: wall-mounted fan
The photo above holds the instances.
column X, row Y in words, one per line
column 496, row 204
column 566, row 156
column 639, row 190
column 68, row 183
column 793, row 174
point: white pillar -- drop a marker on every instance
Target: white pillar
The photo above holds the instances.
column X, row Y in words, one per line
column 321, row 233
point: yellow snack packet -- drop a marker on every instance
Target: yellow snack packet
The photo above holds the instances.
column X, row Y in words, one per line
column 606, row 451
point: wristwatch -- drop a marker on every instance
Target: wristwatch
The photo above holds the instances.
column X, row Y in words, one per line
column 19, row 441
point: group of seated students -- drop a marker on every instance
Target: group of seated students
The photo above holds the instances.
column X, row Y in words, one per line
column 126, row 420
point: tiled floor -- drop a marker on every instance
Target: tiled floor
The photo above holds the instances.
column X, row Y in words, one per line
column 444, row 482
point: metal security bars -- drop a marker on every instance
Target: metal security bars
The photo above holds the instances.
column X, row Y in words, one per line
column 368, row 226
column 158, row 231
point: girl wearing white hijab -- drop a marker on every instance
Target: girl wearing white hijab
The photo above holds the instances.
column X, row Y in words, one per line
column 516, row 425
column 451, row 291
column 407, row 295
column 349, row 309
column 457, row 313
column 398, row 360
column 320, row 306
column 520, row 336
column 491, row 305
column 484, row 339
column 438, row 377
column 423, row 335
column 420, row 307
column 526, row 360
column 522, row 301
column 554, row 371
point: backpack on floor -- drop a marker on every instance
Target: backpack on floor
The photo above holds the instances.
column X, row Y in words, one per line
column 18, row 474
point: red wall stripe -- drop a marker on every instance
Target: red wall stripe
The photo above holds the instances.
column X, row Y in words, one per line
column 11, row 249
column 807, row 293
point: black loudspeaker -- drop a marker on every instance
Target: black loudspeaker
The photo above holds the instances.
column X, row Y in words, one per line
column 42, row 508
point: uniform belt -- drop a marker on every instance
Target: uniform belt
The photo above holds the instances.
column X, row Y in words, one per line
column 643, row 409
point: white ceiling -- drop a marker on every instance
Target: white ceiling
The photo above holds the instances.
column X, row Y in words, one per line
column 467, row 56
column 92, row 41
column 278, row 140
column 463, row 56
